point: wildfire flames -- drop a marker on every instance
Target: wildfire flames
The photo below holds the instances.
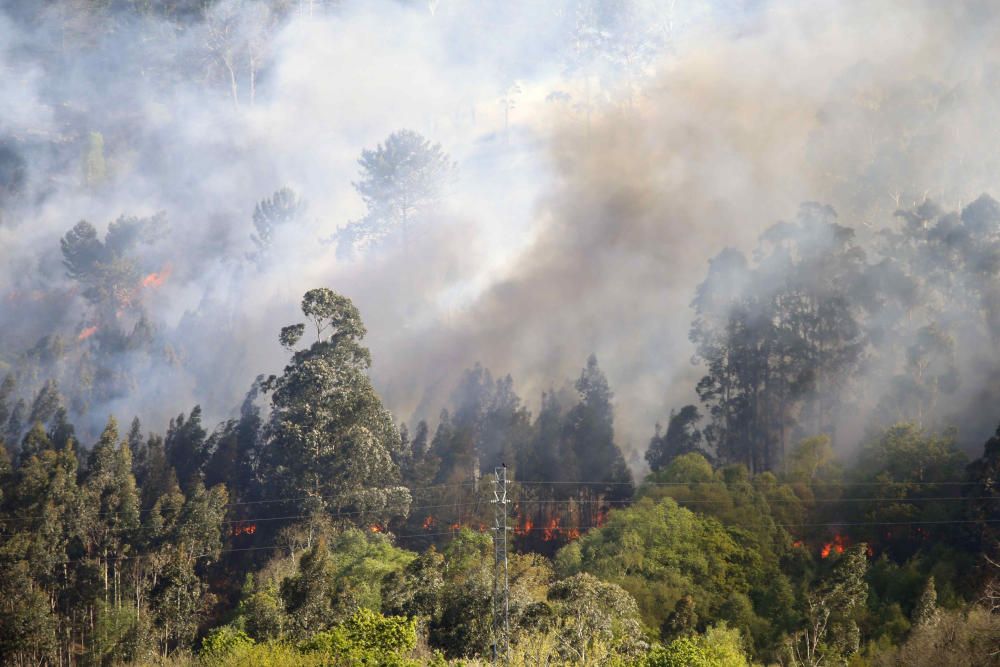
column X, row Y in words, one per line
column 87, row 333
column 244, row 529
column 547, row 527
column 157, row 279
column 375, row 528
column 837, row 546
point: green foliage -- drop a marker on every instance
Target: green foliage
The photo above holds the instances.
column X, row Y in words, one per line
column 660, row 552
column 589, row 611
column 812, row 459
column 223, row 642
column 682, row 437
column 926, row 612
column 367, row 638
column 718, row 647
column 329, row 441
column 830, row 632
column 957, row 639
column 27, row 626
column 463, row 625
column 749, row 548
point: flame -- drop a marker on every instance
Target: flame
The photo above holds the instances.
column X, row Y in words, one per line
column 428, row 522
column 87, row 333
column 455, row 526
column 602, row 517
column 550, row 531
column 375, row 528
column 157, row 279
column 572, row 533
column 837, row 546
column 797, row 543
column 244, row 529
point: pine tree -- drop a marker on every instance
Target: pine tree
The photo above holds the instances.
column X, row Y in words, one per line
column 589, row 437
column 281, row 208
column 401, row 179
column 682, row 437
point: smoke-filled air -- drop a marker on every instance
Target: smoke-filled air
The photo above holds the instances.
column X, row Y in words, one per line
column 521, row 332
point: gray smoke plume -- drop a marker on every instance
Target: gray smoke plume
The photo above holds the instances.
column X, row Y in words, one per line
column 602, row 160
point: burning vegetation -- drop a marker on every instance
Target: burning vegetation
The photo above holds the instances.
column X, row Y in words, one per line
column 827, row 373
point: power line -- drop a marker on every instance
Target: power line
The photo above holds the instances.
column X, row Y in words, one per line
column 571, row 501
column 557, row 529
column 725, row 483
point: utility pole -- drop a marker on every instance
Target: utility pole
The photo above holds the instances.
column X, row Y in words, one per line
column 501, row 583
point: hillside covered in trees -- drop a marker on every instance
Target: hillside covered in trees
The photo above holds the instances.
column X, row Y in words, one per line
column 463, row 333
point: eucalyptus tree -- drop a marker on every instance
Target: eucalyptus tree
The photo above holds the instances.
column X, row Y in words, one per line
column 329, row 441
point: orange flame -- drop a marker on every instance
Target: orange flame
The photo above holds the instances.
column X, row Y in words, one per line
column 602, row 517
column 837, row 546
column 550, row 531
column 428, row 522
column 157, row 279
column 375, row 528
column 244, row 529
column 797, row 543
column 87, row 333
column 455, row 526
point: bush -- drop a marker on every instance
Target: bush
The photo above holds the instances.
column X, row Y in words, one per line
column 224, row 641
column 718, row 647
column 367, row 638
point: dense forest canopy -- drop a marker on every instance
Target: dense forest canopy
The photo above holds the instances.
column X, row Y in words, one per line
column 288, row 288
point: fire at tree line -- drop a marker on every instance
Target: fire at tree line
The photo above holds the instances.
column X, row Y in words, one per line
column 314, row 529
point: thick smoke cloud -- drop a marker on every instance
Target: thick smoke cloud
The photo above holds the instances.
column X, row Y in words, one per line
column 865, row 107
column 580, row 224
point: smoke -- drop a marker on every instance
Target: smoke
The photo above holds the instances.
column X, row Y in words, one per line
column 866, row 107
column 589, row 196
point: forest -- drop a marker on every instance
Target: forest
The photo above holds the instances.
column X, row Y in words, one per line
column 579, row 333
